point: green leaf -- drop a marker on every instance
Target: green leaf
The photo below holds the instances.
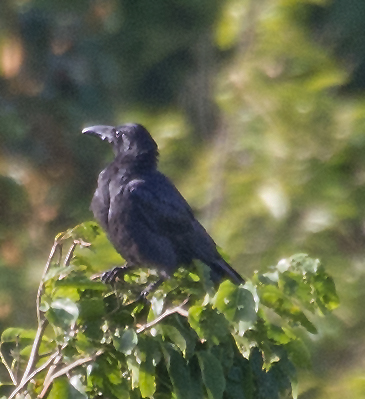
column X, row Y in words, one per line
column 147, row 354
column 81, row 282
column 178, row 371
column 195, row 313
column 63, row 312
column 121, row 390
column 56, row 271
column 234, row 384
column 6, row 389
column 83, row 343
column 16, row 334
column 247, row 381
column 304, row 264
column 86, row 231
column 91, row 308
column 327, row 298
column 280, row 374
column 60, row 389
column 175, row 336
column 208, row 323
column 133, row 367
column 265, row 383
column 272, row 297
column 237, row 304
column 279, row 334
column 76, row 382
column 212, row 374
column 299, row 353
column 196, row 382
column 70, row 292
column 183, row 336
column 126, row 342
column 147, row 384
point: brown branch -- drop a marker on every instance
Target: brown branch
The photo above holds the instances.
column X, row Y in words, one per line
column 34, row 352
column 8, row 368
column 42, row 323
column 52, row 368
column 168, row 312
column 66, row 369
column 32, row 375
column 70, row 253
column 41, row 284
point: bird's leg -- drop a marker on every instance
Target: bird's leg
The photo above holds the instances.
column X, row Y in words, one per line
column 151, row 287
column 110, row 276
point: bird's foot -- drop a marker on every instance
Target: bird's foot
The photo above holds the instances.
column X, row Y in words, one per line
column 150, row 288
column 111, row 276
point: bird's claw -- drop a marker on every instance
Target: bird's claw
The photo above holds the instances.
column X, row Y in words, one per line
column 142, row 297
column 110, row 276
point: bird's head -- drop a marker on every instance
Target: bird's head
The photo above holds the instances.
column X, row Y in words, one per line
column 130, row 139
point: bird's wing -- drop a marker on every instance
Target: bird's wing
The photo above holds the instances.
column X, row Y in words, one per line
column 167, row 213
column 161, row 205
column 101, row 200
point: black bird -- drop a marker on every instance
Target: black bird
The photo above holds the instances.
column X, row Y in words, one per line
column 144, row 215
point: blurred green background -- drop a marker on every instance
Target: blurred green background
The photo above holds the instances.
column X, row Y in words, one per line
column 259, row 111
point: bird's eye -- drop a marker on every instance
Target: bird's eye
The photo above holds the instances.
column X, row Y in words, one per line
column 118, row 133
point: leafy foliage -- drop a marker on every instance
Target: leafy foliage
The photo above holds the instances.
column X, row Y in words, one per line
column 188, row 340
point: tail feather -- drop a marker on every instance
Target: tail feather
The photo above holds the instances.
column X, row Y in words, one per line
column 221, row 269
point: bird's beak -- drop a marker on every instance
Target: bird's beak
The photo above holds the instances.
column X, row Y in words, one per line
column 102, row 131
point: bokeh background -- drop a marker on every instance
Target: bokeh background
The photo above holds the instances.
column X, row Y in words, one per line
column 258, row 107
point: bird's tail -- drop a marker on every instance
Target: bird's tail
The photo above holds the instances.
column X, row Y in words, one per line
column 221, row 269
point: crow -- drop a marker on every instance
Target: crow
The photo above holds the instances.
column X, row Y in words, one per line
column 143, row 214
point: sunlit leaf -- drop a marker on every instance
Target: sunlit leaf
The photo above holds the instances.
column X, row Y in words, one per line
column 61, row 389
column 81, row 283
column 175, row 336
column 147, row 384
column 237, row 304
column 63, row 312
column 208, row 323
column 16, row 334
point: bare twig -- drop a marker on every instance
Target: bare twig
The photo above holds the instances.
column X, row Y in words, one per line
column 55, row 363
column 83, row 243
column 34, row 352
column 70, row 253
column 66, row 369
column 8, row 368
column 41, row 284
column 42, row 322
column 56, row 357
column 32, row 375
column 166, row 313
column 52, row 368
column 16, row 359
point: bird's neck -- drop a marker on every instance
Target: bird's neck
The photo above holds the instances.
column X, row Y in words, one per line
column 141, row 163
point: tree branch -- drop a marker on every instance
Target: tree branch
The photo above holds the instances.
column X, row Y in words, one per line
column 32, row 375
column 66, row 369
column 8, row 368
column 42, row 322
column 166, row 313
